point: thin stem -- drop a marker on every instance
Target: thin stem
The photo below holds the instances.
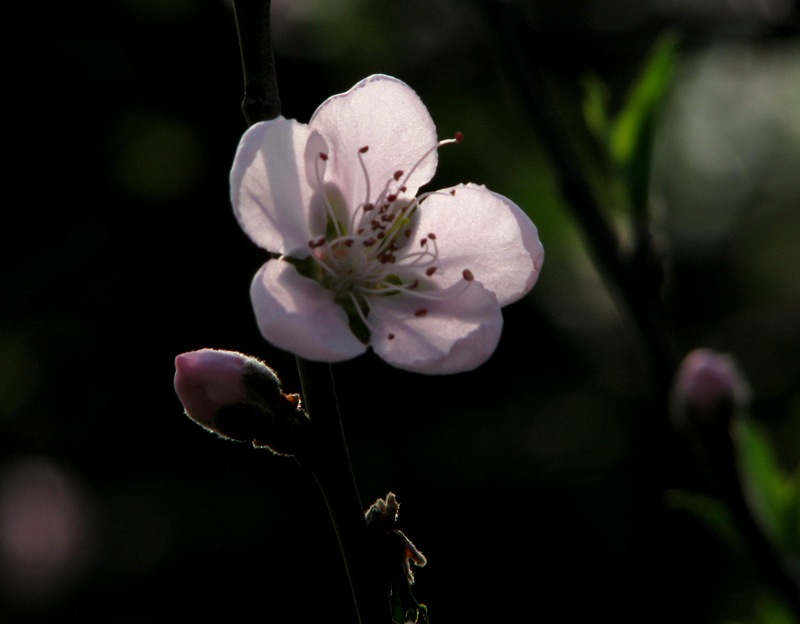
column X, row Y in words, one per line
column 329, row 461
column 326, row 454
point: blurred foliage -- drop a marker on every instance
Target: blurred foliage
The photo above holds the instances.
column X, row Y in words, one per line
column 535, row 483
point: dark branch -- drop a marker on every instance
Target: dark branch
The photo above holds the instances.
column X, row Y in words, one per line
column 261, row 101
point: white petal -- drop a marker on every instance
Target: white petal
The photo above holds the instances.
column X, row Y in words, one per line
column 486, row 233
column 271, row 189
column 387, row 116
column 457, row 333
column 297, row 314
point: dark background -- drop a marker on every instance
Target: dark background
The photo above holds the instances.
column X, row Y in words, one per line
column 534, row 485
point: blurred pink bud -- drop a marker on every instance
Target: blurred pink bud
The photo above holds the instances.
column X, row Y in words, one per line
column 709, row 387
column 208, row 380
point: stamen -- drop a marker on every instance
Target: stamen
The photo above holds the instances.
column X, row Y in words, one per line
column 458, row 138
column 361, row 151
column 468, row 275
column 331, row 215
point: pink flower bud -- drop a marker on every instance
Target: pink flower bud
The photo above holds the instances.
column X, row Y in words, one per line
column 708, row 387
column 239, row 398
column 208, row 380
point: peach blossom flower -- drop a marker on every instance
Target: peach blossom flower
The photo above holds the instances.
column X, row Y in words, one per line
column 363, row 259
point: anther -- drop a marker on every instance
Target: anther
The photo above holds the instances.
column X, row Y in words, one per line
column 468, row 275
column 453, row 192
column 398, row 174
column 368, row 207
column 316, row 243
column 390, row 336
column 431, row 235
column 459, row 137
column 430, row 271
column 323, row 156
column 420, row 312
column 423, row 242
column 363, row 150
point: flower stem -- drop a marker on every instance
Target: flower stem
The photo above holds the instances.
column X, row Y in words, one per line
column 326, row 454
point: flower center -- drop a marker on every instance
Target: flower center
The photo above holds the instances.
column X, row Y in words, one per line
column 368, row 250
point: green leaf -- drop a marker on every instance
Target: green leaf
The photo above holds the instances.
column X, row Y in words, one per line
column 631, row 132
column 595, row 107
column 774, row 495
column 711, row 511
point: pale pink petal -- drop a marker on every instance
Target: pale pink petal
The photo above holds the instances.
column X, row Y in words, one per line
column 455, row 333
column 299, row 315
column 486, row 233
column 271, row 189
column 387, row 116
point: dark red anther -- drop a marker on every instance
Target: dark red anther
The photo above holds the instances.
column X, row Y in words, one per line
column 369, row 242
column 459, row 137
column 317, row 243
column 414, row 284
column 431, row 235
column 390, row 336
column 468, row 275
column 368, row 207
column 398, row 174
column 408, row 233
column 323, row 156
column 453, row 192
column 430, row 271
column 420, row 312
column 403, row 189
column 363, row 150
column 391, row 198
column 349, row 242
column 381, row 234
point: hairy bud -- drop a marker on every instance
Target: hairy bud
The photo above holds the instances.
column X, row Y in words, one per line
column 239, row 398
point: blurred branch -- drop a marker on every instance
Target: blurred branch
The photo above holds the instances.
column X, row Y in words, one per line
column 635, row 277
